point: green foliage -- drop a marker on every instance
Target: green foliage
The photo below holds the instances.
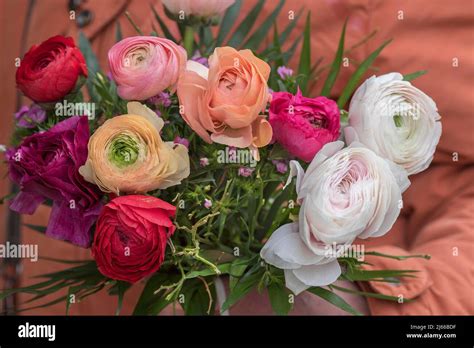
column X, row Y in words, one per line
column 336, row 65
column 333, row 298
column 412, row 76
column 304, row 67
column 355, row 78
column 92, row 64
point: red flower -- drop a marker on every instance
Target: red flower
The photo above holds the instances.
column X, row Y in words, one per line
column 50, row 71
column 131, row 235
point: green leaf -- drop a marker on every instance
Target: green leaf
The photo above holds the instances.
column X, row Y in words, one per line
column 198, row 297
column 421, row 256
column 122, row 287
column 277, row 47
column 275, row 209
column 245, row 26
column 365, row 275
column 163, row 26
column 227, row 22
column 335, row 299
column 237, row 269
column 118, row 32
column 369, row 294
column 304, row 67
column 336, row 65
column 257, row 37
column 150, row 303
column 354, row 80
column 243, row 287
column 291, row 51
column 289, row 28
column 37, row 228
column 224, row 268
column 132, row 22
column 412, row 76
column 279, row 299
column 92, row 64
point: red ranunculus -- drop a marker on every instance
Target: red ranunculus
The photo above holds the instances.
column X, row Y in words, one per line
column 50, row 71
column 131, row 235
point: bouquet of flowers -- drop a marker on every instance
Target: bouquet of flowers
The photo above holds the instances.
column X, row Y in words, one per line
column 177, row 167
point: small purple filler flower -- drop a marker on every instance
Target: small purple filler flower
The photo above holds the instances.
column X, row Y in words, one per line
column 245, row 171
column 284, row 72
column 200, row 59
column 207, row 203
column 28, row 117
column 182, row 141
column 281, row 166
column 204, row 162
column 161, row 99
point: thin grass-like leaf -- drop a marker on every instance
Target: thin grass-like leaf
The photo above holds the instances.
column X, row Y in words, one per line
column 227, row 22
column 335, row 299
column 357, row 75
column 304, row 67
column 412, row 76
column 336, row 65
column 163, row 26
column 245, row 26
column 257, row 37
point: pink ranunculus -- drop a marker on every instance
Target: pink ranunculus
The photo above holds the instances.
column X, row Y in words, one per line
column 199, row 8
column 143, row 66
column 303, row 125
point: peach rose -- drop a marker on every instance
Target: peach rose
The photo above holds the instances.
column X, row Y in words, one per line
column 223, row 103
column 127, row 154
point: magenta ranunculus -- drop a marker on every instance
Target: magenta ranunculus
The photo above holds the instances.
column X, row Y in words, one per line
column 45, row 166
column 303, row 125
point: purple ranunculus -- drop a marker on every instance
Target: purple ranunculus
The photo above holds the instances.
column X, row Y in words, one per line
column 28, row 117
column 45, row 166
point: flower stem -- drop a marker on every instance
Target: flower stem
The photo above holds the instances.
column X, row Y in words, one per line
column 188, row 40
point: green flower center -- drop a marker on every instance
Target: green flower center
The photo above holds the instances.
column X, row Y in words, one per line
column 398, row 120
column 123, row 151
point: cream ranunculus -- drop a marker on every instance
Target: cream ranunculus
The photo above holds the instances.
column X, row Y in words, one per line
column 396, row 120
column 127, row 154
column 345, row 194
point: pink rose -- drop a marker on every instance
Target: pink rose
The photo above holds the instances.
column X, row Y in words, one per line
column 144, row 66
column 303, row 125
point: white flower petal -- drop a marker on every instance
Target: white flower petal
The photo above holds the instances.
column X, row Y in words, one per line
column 286, row 250
column 198, row 68
column 293, row 283
column 318, row 275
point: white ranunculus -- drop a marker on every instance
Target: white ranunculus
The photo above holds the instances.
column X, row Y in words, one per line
column 396, row 120
column 200, row 8
column 346, row 193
